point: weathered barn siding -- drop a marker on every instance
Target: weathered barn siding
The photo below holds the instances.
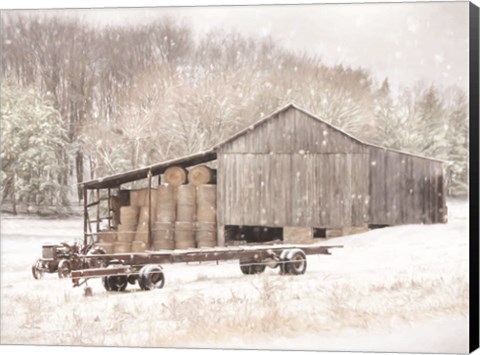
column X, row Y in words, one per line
column 292, row 131
column 405, row 189
column 293, row 170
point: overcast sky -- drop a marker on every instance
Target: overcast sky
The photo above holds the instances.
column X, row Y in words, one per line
column 404, row 41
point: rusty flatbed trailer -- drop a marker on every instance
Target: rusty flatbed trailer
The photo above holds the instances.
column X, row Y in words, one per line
column 118, row 270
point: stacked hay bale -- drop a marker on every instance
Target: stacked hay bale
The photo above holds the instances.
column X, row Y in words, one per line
column 126, row 229
column 181, row 215
column 184, row 225
column 106, row 240
column 162, row 229
column 206, row 201
column 186, row 213
column 142, row 198
column 206, row 232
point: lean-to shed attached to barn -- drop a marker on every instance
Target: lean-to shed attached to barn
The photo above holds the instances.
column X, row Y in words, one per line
column 294, row 177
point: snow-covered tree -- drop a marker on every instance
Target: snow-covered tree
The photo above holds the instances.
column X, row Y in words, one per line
column 34, row 145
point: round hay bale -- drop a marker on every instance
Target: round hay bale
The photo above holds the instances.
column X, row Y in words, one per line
column 163, row 231
column 138, row 246
column 206, row 244
column 186, row 202
column 122, row 247
column 108, row 236
column 175, row 176
column 142, row 233
column 108, row 247
column 206, row 203
column 207, row 194
column 206, row 234
column 184, row 244
column 184, row 231
column 166, row 205
column 206, row 214
column 136, row 198
column 129, row 215
column 126, row 233
column 201, row 174
column 163, row 245
column 143, row 215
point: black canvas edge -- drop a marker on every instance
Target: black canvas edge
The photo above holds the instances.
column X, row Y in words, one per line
column 474, row 191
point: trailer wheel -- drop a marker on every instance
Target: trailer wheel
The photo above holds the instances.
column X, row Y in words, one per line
column 294, row 262
column 37, row 269
column 250, row 267
column 114, row 283
column 151, row 277
column 64, row 269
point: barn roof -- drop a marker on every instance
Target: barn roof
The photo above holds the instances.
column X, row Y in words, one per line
column 311, row 115
column 211, row 154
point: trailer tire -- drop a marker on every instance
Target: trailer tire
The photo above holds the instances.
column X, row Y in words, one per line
column 251, row 267
column 294, row 262
column 36, row 269
column 64, row 269
column 114, row 283
column 283, row 262
column 151, row 277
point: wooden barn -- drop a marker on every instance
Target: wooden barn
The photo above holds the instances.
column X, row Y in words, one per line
column 295, row 178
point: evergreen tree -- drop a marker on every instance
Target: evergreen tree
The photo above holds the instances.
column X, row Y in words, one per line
column 33, row 147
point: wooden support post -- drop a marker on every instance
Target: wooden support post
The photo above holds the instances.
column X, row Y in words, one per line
column 85, row 217
column 98, row 210
column 109, row 211
column 221, row 235
column 149, row 209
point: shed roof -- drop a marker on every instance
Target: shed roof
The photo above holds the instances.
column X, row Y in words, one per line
column 211, row 154
column 155, row 169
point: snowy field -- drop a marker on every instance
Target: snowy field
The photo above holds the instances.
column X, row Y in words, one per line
column 395, row 289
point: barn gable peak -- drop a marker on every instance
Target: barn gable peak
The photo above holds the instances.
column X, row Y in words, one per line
column 290, row 129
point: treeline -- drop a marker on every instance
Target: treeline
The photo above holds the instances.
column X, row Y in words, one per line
column 117, row 98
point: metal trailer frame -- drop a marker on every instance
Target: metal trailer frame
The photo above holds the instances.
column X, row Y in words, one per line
column 117, row 270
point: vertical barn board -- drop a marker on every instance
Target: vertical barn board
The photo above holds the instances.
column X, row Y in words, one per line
column 286, row 187
column 251, row 212
column 360, row 184
column 441, row 205
column 263, row 185
column 348, row 200
column 328, row 176
column 338, row 183
column 320, row 166
column 377, row 187
column 275, row 179
column 390, row 187
column 296, row 176
column 311, row 191
column 241, row 190
column 300, row 195
column 220, row 188
column 423, row 190
column 409, row 191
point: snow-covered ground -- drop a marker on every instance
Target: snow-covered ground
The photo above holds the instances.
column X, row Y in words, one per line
column 394, row 289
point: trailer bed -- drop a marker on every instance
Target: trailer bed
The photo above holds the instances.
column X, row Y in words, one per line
column 253, row 259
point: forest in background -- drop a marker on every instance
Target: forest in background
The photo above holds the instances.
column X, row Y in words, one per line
column 80, row 101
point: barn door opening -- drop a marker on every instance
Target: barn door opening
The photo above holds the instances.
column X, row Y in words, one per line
column 252, row 234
